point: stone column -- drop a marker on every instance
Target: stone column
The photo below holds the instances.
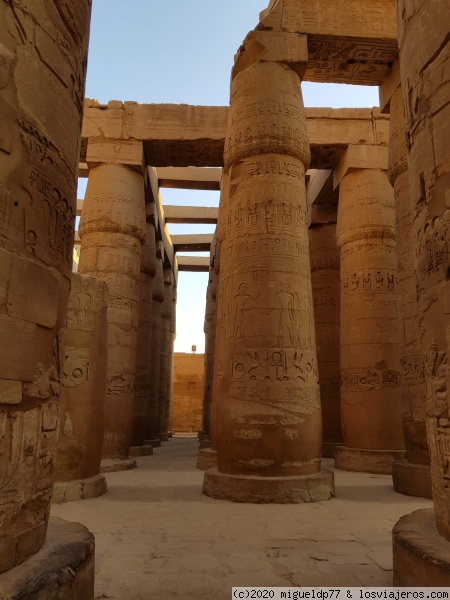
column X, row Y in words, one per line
column 325, row 276
column 424, row 58
column 166, row 314
column 82, row 409
column 144, row 350
column 172, row 336
column 411, row 476
column 158, row 299
column 41, row 96
column 269, row 425
column 370, row 364
column 112, row 231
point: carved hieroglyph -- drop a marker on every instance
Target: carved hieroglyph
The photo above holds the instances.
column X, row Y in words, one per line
column 265, row 371
column 43, row 51
column 158, row 299
column 144, row 340
column 83, row 396
column 325, row 273
column 424, row 59
column 370, row 367
column 112, row 230
column 165, row 351
column 412, row 371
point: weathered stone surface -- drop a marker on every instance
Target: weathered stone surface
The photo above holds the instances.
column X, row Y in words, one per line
column 207, row 458
column 64, row 568
column 83, row 397
column 79, row 489
column 366, row 460
column 112, row 230
column 188, row 383
column 370, row 366
column 421, row 555
column 109, row 465
column 42, row 87
column 412, row 369
column 266, row 490
column 412, row 479
column 424, row 58
column 158, row 299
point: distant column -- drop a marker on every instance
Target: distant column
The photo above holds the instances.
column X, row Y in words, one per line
column 112, row 231
column 83, row 396
column 370, row 364
column 166, row 314
column 144, row 350
column 411, row 476
column 172, row 336
column 325, row 277
column 43, row 52
column 269, row 425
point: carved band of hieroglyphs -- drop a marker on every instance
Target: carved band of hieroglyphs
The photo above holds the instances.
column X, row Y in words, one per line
column 116, row 440
column 370, row 379
column 76, row 366
column 412, row 370
column 319, row 263
column 369, row 281
column 287, row 247
column 120, row 384
column 365, row 248
column 273, row 107
column 266, row 216
column 275, row 365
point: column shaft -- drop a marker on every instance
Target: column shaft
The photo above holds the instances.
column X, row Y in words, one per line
column 158, row 299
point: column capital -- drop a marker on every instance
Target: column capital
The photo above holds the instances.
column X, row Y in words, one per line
column 358, row 157
column 127, row 153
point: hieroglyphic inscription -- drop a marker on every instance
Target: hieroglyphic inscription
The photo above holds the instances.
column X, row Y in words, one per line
column 369, row 280
column 76, row 366
column 86, row 301
column 369, row 380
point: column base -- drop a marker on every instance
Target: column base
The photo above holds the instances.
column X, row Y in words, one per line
column 156, row 443
column 109, row 465
column 204, row 443
column 144, row 450
column 421, row 554
column 63, row 568
column 362, row 460
column 163, row 437
column 412, row 479
column 206, row 459
column 79, row 489
column 329, row 449
column 267, row 490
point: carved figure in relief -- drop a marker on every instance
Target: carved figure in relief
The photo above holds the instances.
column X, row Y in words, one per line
column 284, row 301
column 11, row 435
column 243, row 302
column 76, row 366
column 5, row 209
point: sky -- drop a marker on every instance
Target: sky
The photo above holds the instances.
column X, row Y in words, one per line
column 181, row 52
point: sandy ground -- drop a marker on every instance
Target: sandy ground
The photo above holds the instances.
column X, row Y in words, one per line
column 158, row 537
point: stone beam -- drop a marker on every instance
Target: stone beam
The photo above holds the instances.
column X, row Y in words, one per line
column 191, row 214
column 196, row 264
column 199, row 242
column 171, row 139
column 189, row 178
column 349, row 41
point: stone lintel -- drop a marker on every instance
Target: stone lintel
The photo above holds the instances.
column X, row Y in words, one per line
column 290, row 49
column 200, row 242
column 206, row 215
column 128, row 153
column 190, row 178
column 388, row 86
column 348, row 42
column 194, row 264
column 170, row 137
column 360, row 157
column 322, row 215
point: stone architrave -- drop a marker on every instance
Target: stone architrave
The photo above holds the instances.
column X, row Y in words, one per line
column 269, row 422
column 83, row 396
column 411, row 476
column 325, row 277
column 144, row 349
column 370, row 365
column 166, row 314
column 158, row 299
column 424, row 59
column 43, row 50
column 112, row 231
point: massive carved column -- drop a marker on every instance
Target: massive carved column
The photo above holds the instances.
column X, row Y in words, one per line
column 325, row 267
column 370, row 365
column 144, row 349
column 424, row 58
column 82, row 410
column 166, row 314
column 43, row 48
column 172, row 336
column 269, row 442
column 158, row 299
column 112, row 231
column 411, row 476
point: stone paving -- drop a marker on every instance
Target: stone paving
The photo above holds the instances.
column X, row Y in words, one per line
column 157, row 536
